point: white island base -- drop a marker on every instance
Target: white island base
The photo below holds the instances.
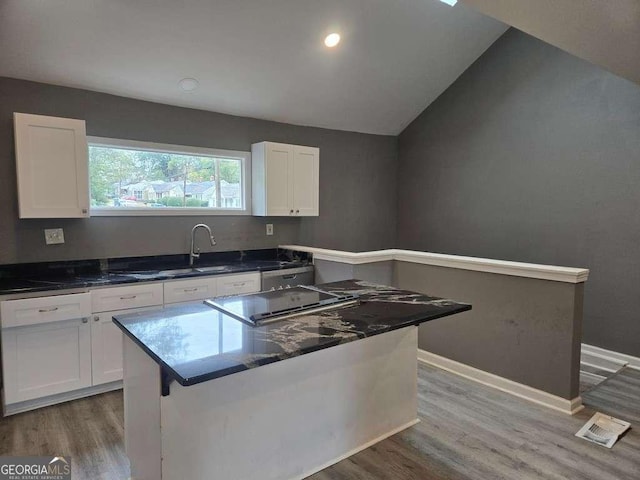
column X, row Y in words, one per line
column 282, row 421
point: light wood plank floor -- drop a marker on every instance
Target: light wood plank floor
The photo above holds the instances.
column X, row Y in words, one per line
column 467, row 431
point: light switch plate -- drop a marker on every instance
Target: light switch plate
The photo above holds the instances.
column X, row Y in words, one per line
column 53, row 236
column 269, row 228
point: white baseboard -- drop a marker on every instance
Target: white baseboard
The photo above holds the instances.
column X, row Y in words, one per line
column 592, row 375
column 27, row 405
column 359, row 449
column 503, row 384
column 599, row 363
column 611, row 356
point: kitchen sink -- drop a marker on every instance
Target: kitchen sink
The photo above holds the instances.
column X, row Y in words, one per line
column 182, row 271
column 139, row 274
column 177, row 271
column 172, row 271
column 212, row 269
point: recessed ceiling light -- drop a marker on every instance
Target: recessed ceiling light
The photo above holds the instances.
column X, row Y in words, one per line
column 188, row 84
column 450, row 2
column 332, row 40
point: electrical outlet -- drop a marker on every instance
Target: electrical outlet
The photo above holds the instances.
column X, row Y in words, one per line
column 53, row 236
column 269, row 228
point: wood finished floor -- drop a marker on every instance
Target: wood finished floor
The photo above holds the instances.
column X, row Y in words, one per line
column 89, row 430
column 595, row 370
column 467, row 431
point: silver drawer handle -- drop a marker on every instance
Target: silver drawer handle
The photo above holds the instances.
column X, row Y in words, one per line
column 128, row 297
column 96, row 318
column 47, row 310
column 85, row 320
column 186, row 290
column 239, row 284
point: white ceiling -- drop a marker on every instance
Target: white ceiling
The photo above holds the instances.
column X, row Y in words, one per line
column 254, row 58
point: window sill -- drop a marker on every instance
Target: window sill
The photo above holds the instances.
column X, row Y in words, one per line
column 165, row 212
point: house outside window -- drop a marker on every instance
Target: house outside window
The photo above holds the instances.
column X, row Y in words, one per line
column 139, row 178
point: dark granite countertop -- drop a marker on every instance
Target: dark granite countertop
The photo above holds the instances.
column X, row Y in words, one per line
column 28, row 278
column 194, row 343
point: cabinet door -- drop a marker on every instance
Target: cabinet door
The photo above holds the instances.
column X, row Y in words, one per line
column 278, row 179
column 46, row 359
column 305, row 181
column 106, row 347
column 52, row 167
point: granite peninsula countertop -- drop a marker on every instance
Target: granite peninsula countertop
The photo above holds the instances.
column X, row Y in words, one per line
column 194, row 343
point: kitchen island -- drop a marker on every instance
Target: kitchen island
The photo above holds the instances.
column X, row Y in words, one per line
column 209, row 397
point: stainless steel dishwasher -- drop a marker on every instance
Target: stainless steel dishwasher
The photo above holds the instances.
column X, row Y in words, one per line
column 288, row 277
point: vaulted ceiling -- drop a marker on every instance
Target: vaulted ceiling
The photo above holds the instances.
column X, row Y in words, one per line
column 606, row 32
column 256, row 58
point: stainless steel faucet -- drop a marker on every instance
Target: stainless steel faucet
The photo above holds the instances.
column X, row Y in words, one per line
column 195, row 251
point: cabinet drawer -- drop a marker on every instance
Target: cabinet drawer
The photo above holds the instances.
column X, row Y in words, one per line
column 237, row 284
column 189, row 290
column 33, row 311
column 123, row 298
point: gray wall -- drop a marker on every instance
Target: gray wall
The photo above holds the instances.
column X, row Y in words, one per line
column 523, row 329
column 533, row 155
column 377, row 272
column 358, row 196
column 356, row 171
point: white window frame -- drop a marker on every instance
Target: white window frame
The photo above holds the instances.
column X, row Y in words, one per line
column 245, row 158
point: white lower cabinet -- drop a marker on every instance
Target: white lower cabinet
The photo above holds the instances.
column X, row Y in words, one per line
column 237, row 284
column 56, row 348
column 46, row 359
column 190, row 290
column 45, row 351
column 106, row 346
column 106, row 349
column 106, row 337
column 193, row 290
column 113, row 299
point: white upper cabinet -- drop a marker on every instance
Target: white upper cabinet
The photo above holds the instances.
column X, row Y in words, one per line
column 52, row 167
column 306, row 181
column 286, row 179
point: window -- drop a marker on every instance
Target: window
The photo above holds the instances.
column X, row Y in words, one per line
column 139, row 178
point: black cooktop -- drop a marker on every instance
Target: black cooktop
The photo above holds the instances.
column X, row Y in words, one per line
column 263, row 307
